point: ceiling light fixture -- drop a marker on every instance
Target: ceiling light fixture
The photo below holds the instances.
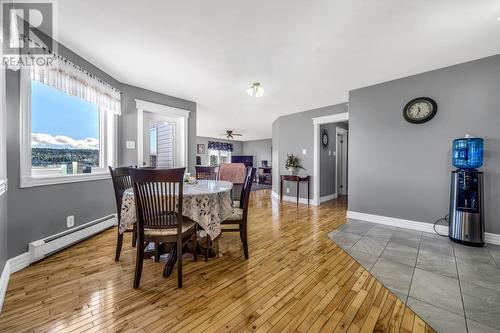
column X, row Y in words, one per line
column 255, row 90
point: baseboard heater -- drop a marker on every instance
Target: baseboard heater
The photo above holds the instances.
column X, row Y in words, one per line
column 44, row 247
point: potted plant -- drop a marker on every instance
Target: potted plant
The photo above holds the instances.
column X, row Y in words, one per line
column 292, row 164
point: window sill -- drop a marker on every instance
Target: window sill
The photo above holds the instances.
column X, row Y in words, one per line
column 32, row 181
column 3, row 185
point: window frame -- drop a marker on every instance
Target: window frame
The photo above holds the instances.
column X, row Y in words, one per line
column 218, row 154
column 30, row 177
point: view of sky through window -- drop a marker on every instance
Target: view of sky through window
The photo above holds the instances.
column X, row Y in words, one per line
column 64, row 128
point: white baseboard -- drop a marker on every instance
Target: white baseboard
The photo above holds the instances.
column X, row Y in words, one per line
column 293, row 199
column 328, row 197
column 413, row 225
column 4, row 283
column 19, row 262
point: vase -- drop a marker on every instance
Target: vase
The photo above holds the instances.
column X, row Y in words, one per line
column 292, row 171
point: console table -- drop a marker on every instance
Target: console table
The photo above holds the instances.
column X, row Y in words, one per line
column 298, row 179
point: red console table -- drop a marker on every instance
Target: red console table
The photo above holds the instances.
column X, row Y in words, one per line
column 298, row 179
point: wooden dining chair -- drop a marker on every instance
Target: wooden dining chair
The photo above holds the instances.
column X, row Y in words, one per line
column 207, row 173
column 239, row 218
column 158, row 197
column 121, row 182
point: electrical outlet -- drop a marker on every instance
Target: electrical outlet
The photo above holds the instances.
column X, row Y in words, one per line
column 304, row 151
column 70, row 221
column 130, row 144
column 287, row 190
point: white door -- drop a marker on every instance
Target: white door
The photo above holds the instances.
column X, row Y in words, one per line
column 342, row 162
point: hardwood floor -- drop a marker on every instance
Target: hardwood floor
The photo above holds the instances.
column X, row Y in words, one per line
column 296, row 280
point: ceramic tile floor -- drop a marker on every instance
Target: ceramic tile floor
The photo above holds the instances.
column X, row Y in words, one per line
column 455, row 288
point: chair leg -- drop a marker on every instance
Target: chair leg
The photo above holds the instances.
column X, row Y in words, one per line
column 134, row 235
column 241, row 232
column 179, row 263
column 138, row 263
column 245, row 241
column 207, row 245
column 119, row 243
column 195, row 244
column 157, row 252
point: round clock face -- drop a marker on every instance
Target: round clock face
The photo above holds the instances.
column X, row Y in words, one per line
column 324, row 139
column 420, row 110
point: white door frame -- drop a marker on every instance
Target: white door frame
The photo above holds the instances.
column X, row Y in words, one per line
column 338, row 130
column 165, row 110
column 317, row 122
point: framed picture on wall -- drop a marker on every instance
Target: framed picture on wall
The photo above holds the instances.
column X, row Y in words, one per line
column 200, row 148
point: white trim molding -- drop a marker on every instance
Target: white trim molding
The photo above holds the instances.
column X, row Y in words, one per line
column 181, row 117
column 317, row 122
column 290, row 198
column 413, row 225
column 328, row 197
column 3, row 185
column 11, row 266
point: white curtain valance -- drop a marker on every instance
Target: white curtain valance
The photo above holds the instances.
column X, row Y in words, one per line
column 64, row 76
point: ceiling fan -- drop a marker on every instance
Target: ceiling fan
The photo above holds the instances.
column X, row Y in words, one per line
column 230, row 135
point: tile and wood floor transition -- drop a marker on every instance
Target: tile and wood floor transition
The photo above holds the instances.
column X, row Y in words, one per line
column 296, row 280
column 454, row 288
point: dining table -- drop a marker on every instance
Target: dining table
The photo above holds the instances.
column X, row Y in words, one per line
column 206, row 202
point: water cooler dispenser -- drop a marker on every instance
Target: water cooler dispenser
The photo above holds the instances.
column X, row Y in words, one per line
column 466, row 196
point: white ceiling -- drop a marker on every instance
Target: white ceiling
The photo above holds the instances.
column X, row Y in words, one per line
column 307, row 54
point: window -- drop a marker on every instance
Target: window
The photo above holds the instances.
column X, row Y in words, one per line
column 161, row 144
column 65, row 132
column 65, row 138
column 162, row 135
column 217, row 157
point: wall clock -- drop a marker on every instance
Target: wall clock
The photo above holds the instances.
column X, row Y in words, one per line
column 420, row 110
column 324, row 138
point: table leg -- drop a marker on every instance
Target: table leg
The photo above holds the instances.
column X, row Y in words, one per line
column 308, row 196
column 281, row 189
column 298, row 186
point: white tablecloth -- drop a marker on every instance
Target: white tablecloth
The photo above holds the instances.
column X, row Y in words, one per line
column 208, row 203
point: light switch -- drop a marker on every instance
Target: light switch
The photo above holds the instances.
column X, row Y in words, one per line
column 130, row 144
column 304, row 151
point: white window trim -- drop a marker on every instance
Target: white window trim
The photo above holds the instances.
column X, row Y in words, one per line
column 180, row 114
column 27, row 178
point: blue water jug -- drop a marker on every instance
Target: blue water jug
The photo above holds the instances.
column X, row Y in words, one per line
column 468, row 153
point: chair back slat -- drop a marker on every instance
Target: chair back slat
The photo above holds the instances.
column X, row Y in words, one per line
column 206, row 173
column 158, row 195
column 121, row 182
column 247, row 188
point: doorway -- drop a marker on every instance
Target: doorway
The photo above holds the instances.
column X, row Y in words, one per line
column 330, row 151
column 342, row 149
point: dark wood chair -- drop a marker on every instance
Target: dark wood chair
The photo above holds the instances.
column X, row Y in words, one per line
column 121, row 182
column 207, row 173
column 158, row 199
column 239, row 218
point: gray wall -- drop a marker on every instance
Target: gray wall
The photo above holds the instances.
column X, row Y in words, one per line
column 260, row 150
column 37, row 212
column 3, row 231
column 237, row 146
column 402, row 170
column 127, row 122
column 291, row 134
